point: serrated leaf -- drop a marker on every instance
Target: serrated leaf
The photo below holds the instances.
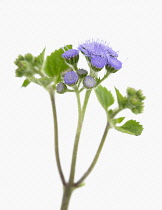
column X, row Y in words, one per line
column 104, row 96
column 26, row 83
column 131, row 127
column 44, row 81
column 40, row 58
column 55, row 64
column 122, row 101
column 118, row 120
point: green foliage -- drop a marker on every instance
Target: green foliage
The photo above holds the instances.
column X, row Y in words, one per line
column 133, row 100
column 26, row 83
column 104, row 97
column 122, row 101
column 130, row 127
column 55, row 64
column 29, row 65
column 40, row 59
column 118, row 120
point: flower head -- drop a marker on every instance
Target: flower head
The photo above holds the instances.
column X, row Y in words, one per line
column 70, row 53
column 71, row 56
column 89, row 82
column 71, row 78
column 114, row 63
column 97, row 48
column 98, row 63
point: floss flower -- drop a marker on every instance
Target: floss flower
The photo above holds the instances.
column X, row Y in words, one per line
column 71, row 56
column 98, row 63
column 71, row 78
column 97, row 48
column 100, row 54
column 113, row 64
column 52, row 70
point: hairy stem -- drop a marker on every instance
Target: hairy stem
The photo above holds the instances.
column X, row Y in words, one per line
column 56, row 144
column 96, row 156
column 66, row 198
column 81, row 113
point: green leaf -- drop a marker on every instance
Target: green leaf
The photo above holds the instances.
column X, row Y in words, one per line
column 55, row 64
column 104, row 96
column 131, row 127
column 26, row 83
column 44, row 81
column 122, row 101
column 118, row 120
column 40, row 58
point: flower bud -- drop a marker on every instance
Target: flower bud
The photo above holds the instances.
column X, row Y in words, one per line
column 82, row 73
column 113, row 64
column 97, row 63
column 71, row 56
column 135, row 100
column 89, row 82
column 61, row 88
column 71, row 78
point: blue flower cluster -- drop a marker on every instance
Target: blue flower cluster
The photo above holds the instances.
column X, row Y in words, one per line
column 100, row 55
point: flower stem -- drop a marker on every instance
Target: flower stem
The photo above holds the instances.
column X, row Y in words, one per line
column 81, row 113
column 56, row 145
column 96, row 156
column 66, row 198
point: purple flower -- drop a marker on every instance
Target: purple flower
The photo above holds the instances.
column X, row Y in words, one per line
column 97, row 48
column 114, row 63
column 71, row 78
column 98, row 63
column 89, row 82
column 70, row 54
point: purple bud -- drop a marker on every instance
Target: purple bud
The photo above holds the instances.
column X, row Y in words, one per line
column 114, row 62
column 89, row 82
column 70, row 53
column 82, row 72
column 71, row 78
column 98, row 63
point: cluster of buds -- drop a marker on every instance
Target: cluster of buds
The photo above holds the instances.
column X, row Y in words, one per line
column 135, row 100
column 71, row 78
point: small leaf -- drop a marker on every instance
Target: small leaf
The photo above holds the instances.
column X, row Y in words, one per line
column 26, row 83
column 131, row 127
column 104, row 96
column 118, row 120
column 122, row 101
column 55, row 64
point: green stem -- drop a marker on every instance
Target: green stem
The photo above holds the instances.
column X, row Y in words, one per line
column 106, row 75
column 115, row 112
column 81, row 113
column 96, row 156
column 66, row 198
column 56, row 148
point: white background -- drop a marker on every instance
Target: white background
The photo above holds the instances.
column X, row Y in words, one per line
column 128, row 174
